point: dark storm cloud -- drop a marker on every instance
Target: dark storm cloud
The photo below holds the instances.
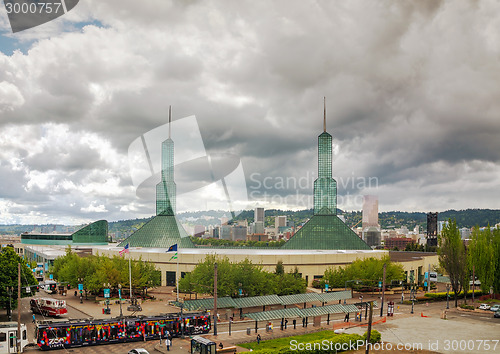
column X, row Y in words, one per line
column 412, row 97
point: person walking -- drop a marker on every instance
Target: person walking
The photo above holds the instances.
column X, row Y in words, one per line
column 168, row 343
column 258, row 338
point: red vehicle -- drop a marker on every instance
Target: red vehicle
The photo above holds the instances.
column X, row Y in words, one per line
column 48, row 306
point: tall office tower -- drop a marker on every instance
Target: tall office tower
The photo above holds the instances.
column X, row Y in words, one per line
column 166, row 189
column 370, row 211
column 325, row 187
column 432, row 221
column 259, row 214
column 279, row 221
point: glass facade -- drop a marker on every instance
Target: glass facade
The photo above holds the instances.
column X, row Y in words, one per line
column 325, row 187
column 162, row 231
column 166, row 189
column 97, row 232
column 325, row 232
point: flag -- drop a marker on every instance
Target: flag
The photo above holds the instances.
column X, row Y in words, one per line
column 124, row 250
column 173, row 248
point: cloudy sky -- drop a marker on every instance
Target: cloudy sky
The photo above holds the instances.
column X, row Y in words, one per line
column 412, row 91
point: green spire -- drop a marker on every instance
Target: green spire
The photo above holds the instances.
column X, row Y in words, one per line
column 325, row 187
column 166, row 189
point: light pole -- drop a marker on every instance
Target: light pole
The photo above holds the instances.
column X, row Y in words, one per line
column 10, row 289
column 106, row 295
column 120, row 296
column 447, row 296
column 80, row 288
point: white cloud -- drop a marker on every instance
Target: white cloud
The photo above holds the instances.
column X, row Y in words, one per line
column 412, row 98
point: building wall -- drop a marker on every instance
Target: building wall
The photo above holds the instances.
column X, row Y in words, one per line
column 309, row 264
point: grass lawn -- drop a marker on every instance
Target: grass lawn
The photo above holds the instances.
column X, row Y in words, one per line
column 274, row 345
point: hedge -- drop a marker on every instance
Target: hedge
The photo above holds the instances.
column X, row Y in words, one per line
column 442, row 296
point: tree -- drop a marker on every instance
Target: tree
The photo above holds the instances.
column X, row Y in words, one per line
column 9, row 261
column 280, row 269
column 452, row 257
column 481, row 255
column 369, row 271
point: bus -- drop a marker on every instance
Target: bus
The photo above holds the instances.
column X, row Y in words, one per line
column 77, row 333
column 48, row 306
column 8, row 332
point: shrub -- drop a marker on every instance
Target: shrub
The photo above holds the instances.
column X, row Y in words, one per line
column 375, row 336
column 467, row 307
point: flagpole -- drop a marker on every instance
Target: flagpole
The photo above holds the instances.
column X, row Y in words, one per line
column 177, row 275
column 130, row 276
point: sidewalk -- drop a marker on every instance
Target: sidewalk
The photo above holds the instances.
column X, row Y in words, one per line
column 94, row 308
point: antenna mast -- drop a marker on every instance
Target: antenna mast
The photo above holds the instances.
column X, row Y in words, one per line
column 324, row 114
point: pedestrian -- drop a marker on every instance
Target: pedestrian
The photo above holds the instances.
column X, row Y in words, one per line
column 168, row 343
column 34, row 320
column 258, row 338
column 347, row 316
column 221, row 345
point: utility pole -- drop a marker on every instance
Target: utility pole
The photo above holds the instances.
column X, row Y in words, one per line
column 368, row 335
column 383, row 292
column 18, row 336
column 215, row 299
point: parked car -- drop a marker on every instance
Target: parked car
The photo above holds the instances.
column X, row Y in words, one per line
column 497, row 314
column 138, row 351
column 484, row 307
column 495, row 308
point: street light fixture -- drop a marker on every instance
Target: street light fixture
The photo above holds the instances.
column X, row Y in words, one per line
column 80, row 288
column 107, row 287
column 10, row 290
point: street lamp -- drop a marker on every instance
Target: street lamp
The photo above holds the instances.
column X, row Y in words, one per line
column 447, row 296
column 106, row 295
column 80, row 288
column 120, row 296
column 10, row 289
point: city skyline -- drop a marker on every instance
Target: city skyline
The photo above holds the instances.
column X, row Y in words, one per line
column 411, row 106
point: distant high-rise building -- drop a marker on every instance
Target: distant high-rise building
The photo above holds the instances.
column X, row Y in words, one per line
column 224, row 220
column 432, row 221
column 441, row 225
column 258, row 227
column 225, row 232
column 259, row 214
column 370, row 211
column 239, row 233
column 279, row 221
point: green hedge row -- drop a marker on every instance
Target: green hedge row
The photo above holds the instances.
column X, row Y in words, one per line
column 442, row 296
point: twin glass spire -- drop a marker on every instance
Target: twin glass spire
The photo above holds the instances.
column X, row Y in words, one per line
column 325, row 187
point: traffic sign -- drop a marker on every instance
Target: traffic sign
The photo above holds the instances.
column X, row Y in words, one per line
column 80, row 287
column 106, row 292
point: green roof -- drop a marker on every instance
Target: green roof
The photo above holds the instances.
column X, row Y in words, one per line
column 326, row 232
column 334, row 296
column 299, row 298
column 245, row 302
column 207, row 304
column 162, row 231
column 274, row 314
column 254, row 301
column 295, row 312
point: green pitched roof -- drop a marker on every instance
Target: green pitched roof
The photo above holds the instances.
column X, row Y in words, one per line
column 162, row 231
column 326, row 232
